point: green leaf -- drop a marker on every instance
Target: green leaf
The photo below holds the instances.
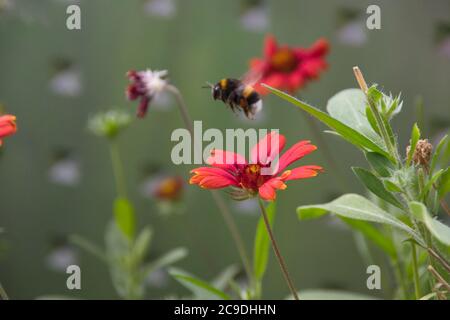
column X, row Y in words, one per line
column 124, row 216
column 262, row 244
column 88, row 246
column 376, row 186
column 371, row 118
column 391, row 186
column 349, row 107
column 415, row 136
column 444, row 183
column 439, row 230
column 379, row 163
column 437, row 153
column 345, row 131
column 200, row 288
column 141, row 245
column 430, row 184
column 165, row 260
column 377, row 237
column 354, row 206
column 225, row 277
column 330, row 294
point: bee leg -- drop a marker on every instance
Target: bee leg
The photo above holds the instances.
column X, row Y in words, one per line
column 230, row 101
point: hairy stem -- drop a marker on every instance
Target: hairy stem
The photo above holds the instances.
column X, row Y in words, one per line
column 415, row 271
column 227, row 216
column 277, row 252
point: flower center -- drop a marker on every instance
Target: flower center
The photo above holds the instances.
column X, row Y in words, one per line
column 284, row 60
column 251, row 178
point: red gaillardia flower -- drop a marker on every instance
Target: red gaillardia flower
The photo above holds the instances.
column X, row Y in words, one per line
column 7, row 126
column 288, row 68
column 229, row 169
column 145, row 85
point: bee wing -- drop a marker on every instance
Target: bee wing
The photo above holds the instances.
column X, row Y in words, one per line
column 252, row 77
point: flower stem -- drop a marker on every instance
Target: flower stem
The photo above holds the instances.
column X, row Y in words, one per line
column 227, row 216
column 277, row 252
column 3, row 294
column 119, row 176
column 415, row 272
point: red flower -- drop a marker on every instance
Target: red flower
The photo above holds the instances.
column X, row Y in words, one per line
column 288, row 68
column 7, row 126
column 231, row 170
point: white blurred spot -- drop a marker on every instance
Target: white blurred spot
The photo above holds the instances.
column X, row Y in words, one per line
column 248, row 207
column 444, row 47
column 61, row 257
column 157, row 278
column 352, row 34
column 255, row 19
column 163, row 101
column 160, row 8
column 65, row 172
column 66, row 82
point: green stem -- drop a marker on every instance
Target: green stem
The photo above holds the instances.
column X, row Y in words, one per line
column 119, row 176
column 277, row 252
column 227, row 216
column 380, row 123
column 3, row 294
column 415, row 271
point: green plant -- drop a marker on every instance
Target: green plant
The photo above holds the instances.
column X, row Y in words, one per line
column 408, row 189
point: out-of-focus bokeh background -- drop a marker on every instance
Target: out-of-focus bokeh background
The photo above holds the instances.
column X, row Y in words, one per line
column 56, row 178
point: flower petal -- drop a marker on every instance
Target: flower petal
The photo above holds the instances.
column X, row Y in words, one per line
column 270, row 46
column 268, row 148
column 267, row 192
column 212, row 178
column 225, row 159
column 302, row 172
column 294, row 153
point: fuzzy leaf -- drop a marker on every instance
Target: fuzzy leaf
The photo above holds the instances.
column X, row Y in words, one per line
column 348, row 133
column 437, row 153
column 439, row 230
column 444, row 183
column 415, row 136
column 354, row 206
column 376, row 186
column 379, row 163
column 124, row 216
column 200, row 288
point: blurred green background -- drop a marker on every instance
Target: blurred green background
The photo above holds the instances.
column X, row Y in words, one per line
column 56, row 178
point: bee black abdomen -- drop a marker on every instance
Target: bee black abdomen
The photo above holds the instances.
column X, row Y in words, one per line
column 254, row 97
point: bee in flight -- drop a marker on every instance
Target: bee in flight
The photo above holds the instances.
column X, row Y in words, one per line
column 238, row 94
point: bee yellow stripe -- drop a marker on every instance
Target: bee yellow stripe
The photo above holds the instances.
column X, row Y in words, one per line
column 223, row 83
column 247, row 91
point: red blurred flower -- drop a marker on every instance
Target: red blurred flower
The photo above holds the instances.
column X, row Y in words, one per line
column 7, row 126
column 231, row 170
column 169, row 188
column 145, row 85
column 288, row 68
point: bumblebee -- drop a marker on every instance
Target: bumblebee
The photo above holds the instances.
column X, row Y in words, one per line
column 239, row 95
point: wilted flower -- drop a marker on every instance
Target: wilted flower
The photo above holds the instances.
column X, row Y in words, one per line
column 289, row 68
column 110, row 123
column 247, row 178
column 422, row 154
column 145, row 85
column 169, row 188
column 7, row 126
